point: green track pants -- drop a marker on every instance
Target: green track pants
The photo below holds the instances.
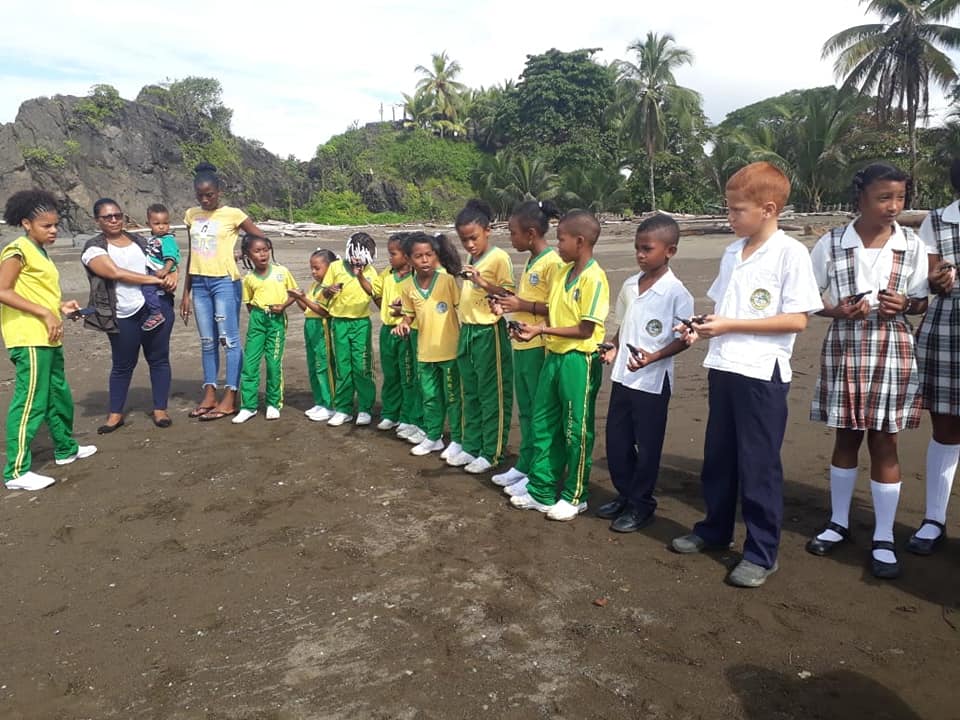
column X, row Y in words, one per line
column 352, row 362
column 266, row 337
column 400, row 392
column 316, row 336
column 527, row 365
column 486, row 371
column 442, row 397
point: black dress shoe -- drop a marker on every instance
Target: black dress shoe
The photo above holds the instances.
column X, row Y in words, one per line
column 880, row 569
column 922, row 546
column 816, row 546
column 632, row 520
column 107, row 429
column 612, row 509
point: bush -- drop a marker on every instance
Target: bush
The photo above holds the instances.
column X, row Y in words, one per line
column 342, row 208
column 41, row 158
column 102, row 102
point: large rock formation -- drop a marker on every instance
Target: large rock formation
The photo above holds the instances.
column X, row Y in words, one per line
column 135, row 154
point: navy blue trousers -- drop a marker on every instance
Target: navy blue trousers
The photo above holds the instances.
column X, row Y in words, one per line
column 125, row 347
column 741, row 456
column 636, row 424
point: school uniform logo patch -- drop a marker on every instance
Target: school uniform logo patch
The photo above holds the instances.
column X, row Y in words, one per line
column 760, row 299
column 654, row 328
column 534, row 279
column 441, row 307
column 576, row 294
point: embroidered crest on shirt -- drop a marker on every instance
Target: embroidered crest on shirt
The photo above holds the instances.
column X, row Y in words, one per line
column 654, row 328
column 534, row 278
column 576, row 294
column 760, row 299
column 441, row 307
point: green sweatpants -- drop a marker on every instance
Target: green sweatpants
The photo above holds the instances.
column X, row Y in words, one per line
column 399, row 394
column 352, row 364
column 527, row 365
column 40, row 393
column 563, row 426
column 486, row 371
column 266, row 337
column 442, row 397
column 316, row 336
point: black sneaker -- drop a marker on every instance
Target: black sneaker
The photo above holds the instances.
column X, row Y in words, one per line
column 612, row 509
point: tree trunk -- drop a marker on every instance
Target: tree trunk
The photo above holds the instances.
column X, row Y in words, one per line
column 653, row 193
column 913, row 160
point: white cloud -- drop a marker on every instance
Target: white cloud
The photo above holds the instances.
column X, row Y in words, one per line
column 296, row 74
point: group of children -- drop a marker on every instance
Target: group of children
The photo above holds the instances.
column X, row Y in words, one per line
column 459, row 341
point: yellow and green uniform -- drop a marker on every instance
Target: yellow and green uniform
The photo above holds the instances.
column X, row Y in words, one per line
column 528, row 356
column 266, row 335
column 40, row 392
column 400, row 392
column 352, row 338
column 434, row 309
column 564, row 407
column 213, row 238
column 485, row 362
column 318, row 342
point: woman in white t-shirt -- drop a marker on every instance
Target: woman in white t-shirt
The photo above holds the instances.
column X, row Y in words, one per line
column 116, row 264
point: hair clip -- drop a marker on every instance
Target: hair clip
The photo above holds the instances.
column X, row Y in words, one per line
column 540, row 204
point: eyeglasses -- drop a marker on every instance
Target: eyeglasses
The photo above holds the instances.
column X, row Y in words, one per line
column 111, row 216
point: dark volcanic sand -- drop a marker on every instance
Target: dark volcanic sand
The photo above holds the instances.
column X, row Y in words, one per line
column 290, row 570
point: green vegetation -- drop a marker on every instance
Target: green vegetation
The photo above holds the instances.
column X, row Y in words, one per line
column 342, row 208
column 40, row 158
column 72, row 147
column 100, row 104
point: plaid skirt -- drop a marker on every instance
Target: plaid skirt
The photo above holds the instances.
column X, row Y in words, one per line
column 938, row 355
column 868, row 376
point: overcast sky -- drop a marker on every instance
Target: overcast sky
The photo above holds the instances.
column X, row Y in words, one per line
column 296, row 76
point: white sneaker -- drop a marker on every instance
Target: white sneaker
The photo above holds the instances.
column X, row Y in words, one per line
column 402, row 427
column 83, row 451
column 510, row 477
column 480, row 465
column 321, row 415
column 387, row 424
column 404, row 432
column 564, row 510
column 272, row 413
column 416, row 437
column 30, row 481
column 364, row 418
column 461, row 459
column 526, row 502
column 518, row 488
column 243, row 416
column 426, row 447
column 313, row 411
column 453, row 449
column 338, row 419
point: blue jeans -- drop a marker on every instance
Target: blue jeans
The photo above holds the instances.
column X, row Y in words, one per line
column 216, row 308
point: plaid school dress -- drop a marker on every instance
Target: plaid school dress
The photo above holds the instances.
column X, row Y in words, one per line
column 938, row 339
column 868, row 370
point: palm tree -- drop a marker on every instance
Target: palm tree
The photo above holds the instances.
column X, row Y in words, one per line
column 439, row 84
column 898, row 58
column 418, row 110
column 648, row 91
column 598, row 190
column 505, row 179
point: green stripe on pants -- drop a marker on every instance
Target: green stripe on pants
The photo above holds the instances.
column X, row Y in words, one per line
column 563, row 426
column 486, row 371
column 319, row 367
column 266, row 337
column 40, row 393
column 352, row 364
column 527, row 365
column 441, row 395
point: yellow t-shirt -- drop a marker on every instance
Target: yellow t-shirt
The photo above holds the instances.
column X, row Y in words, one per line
column 262, row 291
column 496, row 268
column 315, row 293
column 213, row 238
column 435, row 311
column 352, row 301
column 38, row 282
column 586, row 298
column 535, row 287
column 389, row 287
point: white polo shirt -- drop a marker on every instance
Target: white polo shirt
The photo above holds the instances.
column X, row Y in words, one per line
column 950, row 214
column 776, row 279
column 646, row 322
column 873, row 266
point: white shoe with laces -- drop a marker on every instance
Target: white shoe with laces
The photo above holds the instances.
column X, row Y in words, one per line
column 83, row 451
column 406, row 432
column 30, row 481
column 518, row 488
column 510, row 477
column 526, row 502
column 426, row 447
column 243, row 416
column 364, row 418
column 461, row 459
column 453, row 449
column 416, row 437
column 321, row 415
column 313, row 411
column 338, row 419
column 272, row 413
column 480, row 465
column 386, row 424
column 564, row 510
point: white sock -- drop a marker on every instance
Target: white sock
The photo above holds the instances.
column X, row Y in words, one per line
column 842, row 482
column 886, row 497
column 941, row 467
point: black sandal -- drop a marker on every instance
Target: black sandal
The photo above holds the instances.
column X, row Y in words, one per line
column 816, row 546
column 880, row 569
column 923, row 546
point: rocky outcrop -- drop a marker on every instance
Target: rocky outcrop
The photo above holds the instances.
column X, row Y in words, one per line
column 135, row 155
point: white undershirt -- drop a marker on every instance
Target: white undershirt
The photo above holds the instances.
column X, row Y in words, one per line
column 131, row 258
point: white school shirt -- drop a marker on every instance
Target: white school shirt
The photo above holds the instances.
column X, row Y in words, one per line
column 129, row 297
column 950, row 214
column 776, row 279
column 646, row 321
column 873, row 266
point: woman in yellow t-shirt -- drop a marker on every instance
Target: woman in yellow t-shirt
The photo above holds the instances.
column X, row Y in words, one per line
column 31, row 320
column 213, row 285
